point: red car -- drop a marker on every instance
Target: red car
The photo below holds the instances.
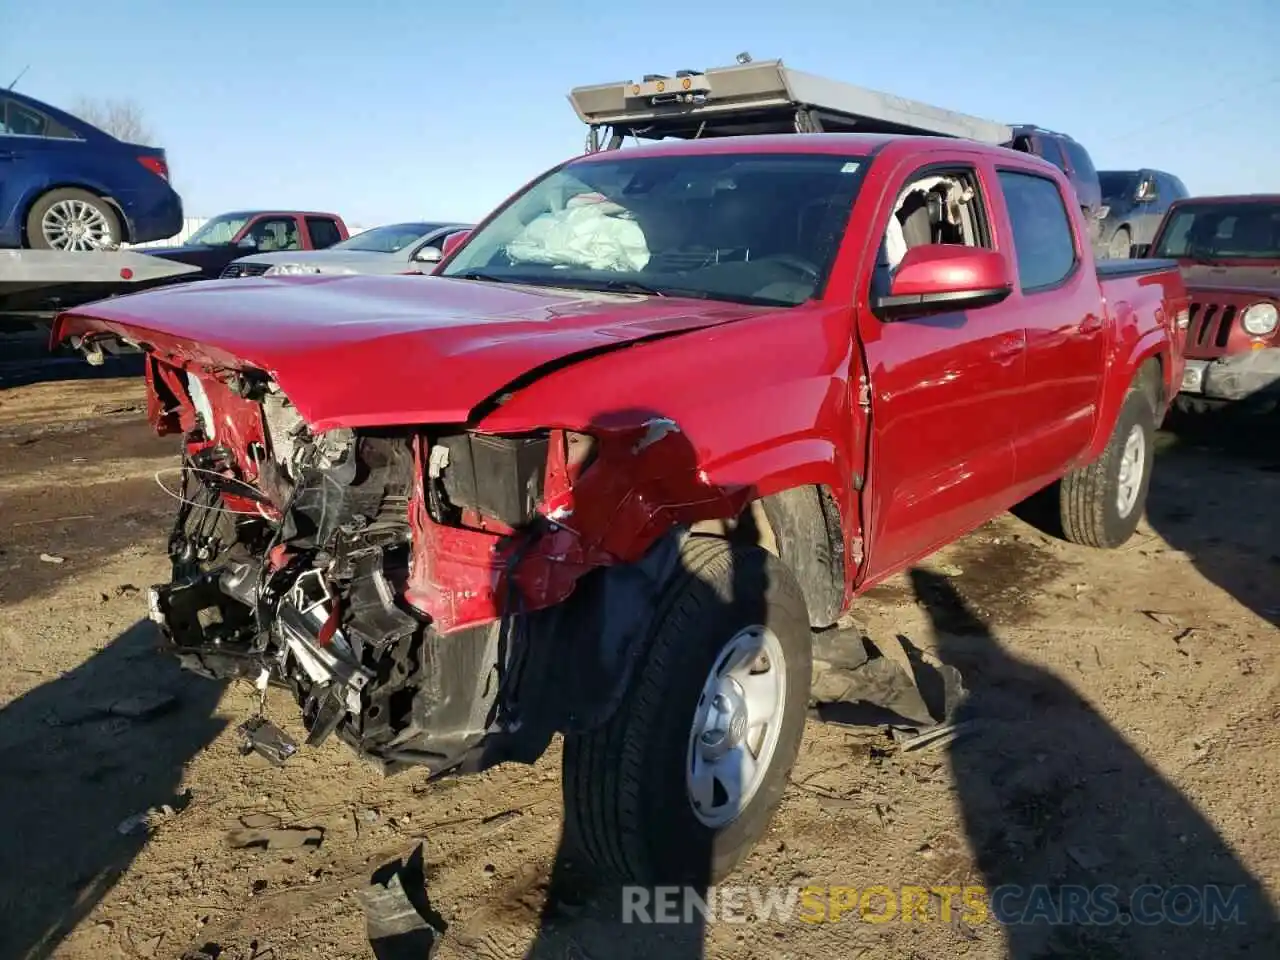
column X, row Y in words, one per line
column 662, row 413
column 1229, row 252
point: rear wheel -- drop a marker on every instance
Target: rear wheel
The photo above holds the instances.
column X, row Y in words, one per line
column 70, row 219
column 683, row 780
column 1118, row 248
column 1100, row 504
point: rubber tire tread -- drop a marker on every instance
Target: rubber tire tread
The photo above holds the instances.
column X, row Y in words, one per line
column 603, row 770
column 1087, row 495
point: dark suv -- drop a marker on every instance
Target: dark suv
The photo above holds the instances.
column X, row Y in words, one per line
column 1072, row 159
column 1133, row 204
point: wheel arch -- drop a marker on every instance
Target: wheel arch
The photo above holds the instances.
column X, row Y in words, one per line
column 101, row 194
column 802, row 527
column 1146, row 368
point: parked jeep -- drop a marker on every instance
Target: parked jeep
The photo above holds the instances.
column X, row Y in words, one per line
column 658, row 416
column 1229, row 251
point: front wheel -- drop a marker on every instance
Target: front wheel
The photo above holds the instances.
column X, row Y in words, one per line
column 1100, row 504
column 683, row 780
column 70, row 219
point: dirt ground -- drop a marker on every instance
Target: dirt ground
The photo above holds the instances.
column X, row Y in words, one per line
column 1125, row 710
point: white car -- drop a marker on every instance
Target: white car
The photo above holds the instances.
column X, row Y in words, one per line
column 396, row 248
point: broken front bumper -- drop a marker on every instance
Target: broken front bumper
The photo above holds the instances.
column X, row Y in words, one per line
column 1240, row 376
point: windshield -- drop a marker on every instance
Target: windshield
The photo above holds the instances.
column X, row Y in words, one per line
column 1227, row 231
column 219, row 231
column 387, row 239
column 751, row 228
column 1118, row 185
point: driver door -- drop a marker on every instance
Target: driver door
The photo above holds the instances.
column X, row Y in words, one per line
column 271, row 234
column 942, row 393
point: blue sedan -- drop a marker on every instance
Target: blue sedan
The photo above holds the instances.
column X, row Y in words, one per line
column 66, row 185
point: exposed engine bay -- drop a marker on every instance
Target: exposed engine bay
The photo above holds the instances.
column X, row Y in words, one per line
column 407, row 585
column 293, row 562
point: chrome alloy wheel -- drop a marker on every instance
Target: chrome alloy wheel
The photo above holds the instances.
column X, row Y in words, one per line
column 77, row 225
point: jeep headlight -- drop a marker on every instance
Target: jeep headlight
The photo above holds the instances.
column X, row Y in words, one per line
column 285, row 269
column 1260, row 319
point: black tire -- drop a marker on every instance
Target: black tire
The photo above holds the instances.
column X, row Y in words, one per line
column 627, row 808
column 36, row 239
column 1119, row 244
column 1087, row 497
column 806, row 527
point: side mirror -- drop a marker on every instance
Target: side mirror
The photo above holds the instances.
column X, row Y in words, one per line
column 1139, row 250
column 1146, row 192
column 941, row 278
column 453, row 241
column 428, row 255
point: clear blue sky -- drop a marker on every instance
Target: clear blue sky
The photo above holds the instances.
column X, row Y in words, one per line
column 395, row 109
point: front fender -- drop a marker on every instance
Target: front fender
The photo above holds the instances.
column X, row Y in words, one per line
column 691, row 428
column 1151, row 347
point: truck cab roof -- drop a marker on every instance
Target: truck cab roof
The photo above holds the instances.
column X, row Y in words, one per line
column 866, row 145
column 271, row 211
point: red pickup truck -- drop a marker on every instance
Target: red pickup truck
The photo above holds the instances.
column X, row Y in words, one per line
column 665, row 411
column 229, row 236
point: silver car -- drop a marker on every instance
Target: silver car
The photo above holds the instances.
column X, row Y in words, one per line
column 396, row 248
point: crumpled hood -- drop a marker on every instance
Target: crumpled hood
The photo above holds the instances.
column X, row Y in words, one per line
column 356, row 351
column 1262, row 280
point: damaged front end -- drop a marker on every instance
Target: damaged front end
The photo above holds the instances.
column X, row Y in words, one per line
column 394, row 580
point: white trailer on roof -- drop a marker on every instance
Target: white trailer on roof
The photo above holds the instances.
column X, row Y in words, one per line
column 763, row 97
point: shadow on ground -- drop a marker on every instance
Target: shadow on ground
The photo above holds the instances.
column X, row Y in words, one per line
column 49, row 368
column 1085, row 849
column 81, row 755
column 1215, row 496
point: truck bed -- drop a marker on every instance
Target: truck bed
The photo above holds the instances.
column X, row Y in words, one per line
column 1111, row 269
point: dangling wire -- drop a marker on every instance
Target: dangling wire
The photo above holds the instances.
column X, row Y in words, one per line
column 182, row 498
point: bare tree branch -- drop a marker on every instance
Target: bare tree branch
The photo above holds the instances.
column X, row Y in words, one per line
column 123, row 119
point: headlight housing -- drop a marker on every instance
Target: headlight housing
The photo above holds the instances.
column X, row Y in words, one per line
column 1260, row 319
column 284, row 269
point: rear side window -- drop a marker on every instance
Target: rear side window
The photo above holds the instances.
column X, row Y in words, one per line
column 19, row 120
column 1046, row 147
column 1081, row 163
column 324, row 233
column 1042, row 237
column 1171, row 188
